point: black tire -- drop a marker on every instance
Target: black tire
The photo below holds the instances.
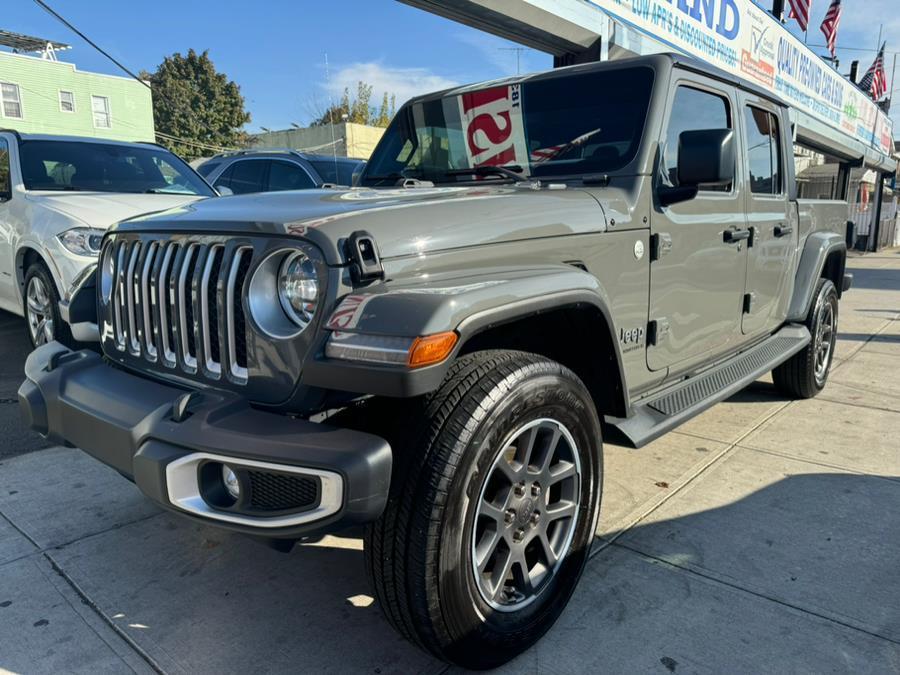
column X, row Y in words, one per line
column 805, row 374
column 38, row 276
column 420, row 554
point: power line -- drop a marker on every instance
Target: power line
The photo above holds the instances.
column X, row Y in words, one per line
column 84, row 37
column 93, row 44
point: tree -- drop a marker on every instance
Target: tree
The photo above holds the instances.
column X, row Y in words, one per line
column 194, row 102
column 358, row 109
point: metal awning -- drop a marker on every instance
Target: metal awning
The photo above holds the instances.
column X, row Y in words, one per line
column 27, row 43
column 737, row 36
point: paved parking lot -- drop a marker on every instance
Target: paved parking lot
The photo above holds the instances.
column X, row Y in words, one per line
column 762, row 536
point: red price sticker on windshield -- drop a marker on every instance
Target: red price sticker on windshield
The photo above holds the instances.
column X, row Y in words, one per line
column 492, row 122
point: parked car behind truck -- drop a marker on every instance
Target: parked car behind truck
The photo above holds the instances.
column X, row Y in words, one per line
column 274, row 170
column 433, row 354
column 58, row 195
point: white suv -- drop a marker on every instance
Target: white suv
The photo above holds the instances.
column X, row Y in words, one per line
column 58, row 195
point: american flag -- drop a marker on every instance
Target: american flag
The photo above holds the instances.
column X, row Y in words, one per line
column 875, row 79
column 800, row 11
column 830, row 25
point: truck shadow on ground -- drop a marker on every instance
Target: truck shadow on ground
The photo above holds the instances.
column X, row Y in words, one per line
column 817, row 542
column 881, row 279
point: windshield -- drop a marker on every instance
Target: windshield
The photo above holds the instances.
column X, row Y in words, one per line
column 555, row 127
column 104, row 167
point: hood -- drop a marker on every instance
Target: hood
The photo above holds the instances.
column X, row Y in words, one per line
column 104, row 209
column 404, row 221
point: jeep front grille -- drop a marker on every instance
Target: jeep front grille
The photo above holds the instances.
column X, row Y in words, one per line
column 179, row 303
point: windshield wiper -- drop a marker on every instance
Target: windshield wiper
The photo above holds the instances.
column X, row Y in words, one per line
column 160, row 191
column 512, row 171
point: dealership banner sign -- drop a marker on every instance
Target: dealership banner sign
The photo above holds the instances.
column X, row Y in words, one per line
column 742, row 38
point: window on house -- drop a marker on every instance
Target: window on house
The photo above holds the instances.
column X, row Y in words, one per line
column 100, row 108
column 12, row 100
column 66, row 101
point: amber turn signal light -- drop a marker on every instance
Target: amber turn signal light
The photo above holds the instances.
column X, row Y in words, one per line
column 431, row 349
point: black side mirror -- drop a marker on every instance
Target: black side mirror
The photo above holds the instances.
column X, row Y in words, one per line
column 705, row 157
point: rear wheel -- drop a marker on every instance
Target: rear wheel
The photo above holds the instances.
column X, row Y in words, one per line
column 804, row 375
column 492, row 510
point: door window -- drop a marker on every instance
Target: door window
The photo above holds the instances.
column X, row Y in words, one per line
column 763, row 151
column 5, row 183
column 244, row 177
column 693, row 110
column 288, row 176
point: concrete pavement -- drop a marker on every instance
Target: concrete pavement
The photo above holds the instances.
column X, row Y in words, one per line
column 761, row 536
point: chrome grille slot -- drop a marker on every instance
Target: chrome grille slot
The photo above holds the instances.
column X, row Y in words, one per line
column 235, row 340
column 147, row 298
column 134, row 344
column 184, row 333
column 118, row 297
column 179, row 304
column 207, row 336
column 161, row 304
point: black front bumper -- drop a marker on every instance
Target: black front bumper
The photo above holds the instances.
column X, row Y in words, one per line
column 131, row 424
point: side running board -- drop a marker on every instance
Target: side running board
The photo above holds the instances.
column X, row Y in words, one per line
column 677, row 404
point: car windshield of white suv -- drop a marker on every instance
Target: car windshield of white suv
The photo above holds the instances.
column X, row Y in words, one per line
column 74, row 166
column 560, row 127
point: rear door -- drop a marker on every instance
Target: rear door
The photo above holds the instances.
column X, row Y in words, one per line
column 774, row 236
column 244, row 176
column 697, row 279
column 285, row 175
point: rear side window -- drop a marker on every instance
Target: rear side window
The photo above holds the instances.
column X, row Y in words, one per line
column 693, row 110
column 340, row 172
column 244, row 177
column 207, row 168
column 763, row 151
column 5, row 183
column 288, row 176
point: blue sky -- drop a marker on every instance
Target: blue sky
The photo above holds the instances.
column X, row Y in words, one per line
column 275, row 50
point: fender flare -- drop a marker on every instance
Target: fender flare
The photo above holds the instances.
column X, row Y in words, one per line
column 414, row 308
column 819, row 246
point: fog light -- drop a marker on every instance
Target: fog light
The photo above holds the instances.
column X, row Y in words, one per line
column 230, row 479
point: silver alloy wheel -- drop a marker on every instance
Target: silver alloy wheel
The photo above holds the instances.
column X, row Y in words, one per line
column 39, row 312
column 526, row 514
column 825, row 332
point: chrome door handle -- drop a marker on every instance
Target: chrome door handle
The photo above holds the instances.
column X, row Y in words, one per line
column 783, row 230
column 733, row 236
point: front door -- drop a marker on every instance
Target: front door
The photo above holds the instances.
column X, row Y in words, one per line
column 775, row 235
column 7, row 264
column 697, row 279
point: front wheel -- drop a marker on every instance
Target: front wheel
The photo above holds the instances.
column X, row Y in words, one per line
column 492, row 511
column 42, row 307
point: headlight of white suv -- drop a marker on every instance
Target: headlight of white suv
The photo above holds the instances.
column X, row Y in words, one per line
column 82, row 240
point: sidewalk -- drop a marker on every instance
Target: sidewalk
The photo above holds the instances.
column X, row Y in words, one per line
column 762, row 536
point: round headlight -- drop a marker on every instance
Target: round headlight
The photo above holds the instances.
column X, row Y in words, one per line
column 298, row 288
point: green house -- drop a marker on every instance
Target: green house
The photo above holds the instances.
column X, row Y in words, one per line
column 39, row 94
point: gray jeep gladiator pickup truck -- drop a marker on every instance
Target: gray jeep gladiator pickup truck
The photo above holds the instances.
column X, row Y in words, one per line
column 435, row 352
